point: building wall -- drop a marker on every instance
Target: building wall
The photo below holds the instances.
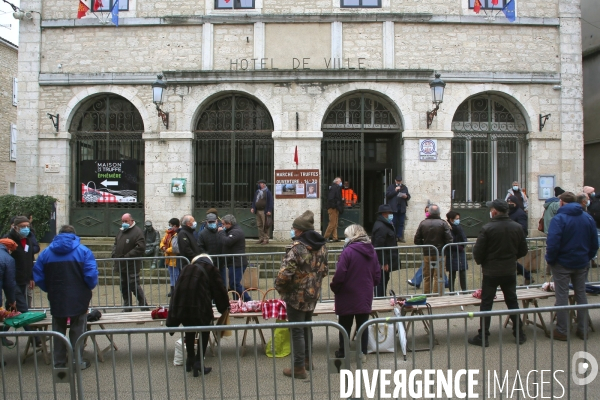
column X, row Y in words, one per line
column 8, row 112
column 392, row 54
column 591, row 113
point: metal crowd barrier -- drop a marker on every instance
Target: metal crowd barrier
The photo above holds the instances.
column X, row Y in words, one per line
column 35, row 379
column 143, row 366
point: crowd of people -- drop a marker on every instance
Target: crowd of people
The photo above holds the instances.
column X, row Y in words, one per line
column 68, row 272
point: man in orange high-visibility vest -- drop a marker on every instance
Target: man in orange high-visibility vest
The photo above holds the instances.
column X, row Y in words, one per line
column 349, row 196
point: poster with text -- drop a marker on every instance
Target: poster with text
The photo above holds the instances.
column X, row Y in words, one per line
column 297, row 183
column 109, row 181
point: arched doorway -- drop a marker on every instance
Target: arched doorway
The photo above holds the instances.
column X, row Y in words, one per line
column 361, row 143
column 107, row 156
column 233, row 149
column 489, row 152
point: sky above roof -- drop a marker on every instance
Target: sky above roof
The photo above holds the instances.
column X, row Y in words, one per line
column 9, row 27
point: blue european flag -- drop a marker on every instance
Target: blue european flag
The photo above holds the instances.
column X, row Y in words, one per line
column 115, row 13
column 508, row 10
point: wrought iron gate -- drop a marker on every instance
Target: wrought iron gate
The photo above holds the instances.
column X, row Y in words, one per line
column 233, row 150
column 361, row 143
column 489, row 152
column 106, row 128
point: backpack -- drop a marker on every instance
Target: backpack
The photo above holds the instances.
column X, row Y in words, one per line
column 175, row 245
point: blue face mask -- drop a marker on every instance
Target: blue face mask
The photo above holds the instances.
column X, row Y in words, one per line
column 194, row 225
column 24, row 232
column 340, row 183
column 457, row 222
column 390, row 217
column 125, row 226
column 212, row 226
column 515, row 188
column 588, row 203
column 170, row 228
column 292, row 233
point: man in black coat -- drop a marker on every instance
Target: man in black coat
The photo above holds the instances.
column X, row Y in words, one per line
column 234, row 242
column 335, row 207
column 188, row 246
column 384, row 235
column 397, row 197
column 499, row 244
column 209, row 241
column 130, row 243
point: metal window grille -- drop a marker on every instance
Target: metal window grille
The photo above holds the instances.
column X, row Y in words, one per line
column 360, row 3
column 487, row 4
column 234, row 4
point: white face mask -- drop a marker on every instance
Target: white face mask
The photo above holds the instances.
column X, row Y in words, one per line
column 346, row 240
column 588, row 203
column 515, row 188
column 491, row 215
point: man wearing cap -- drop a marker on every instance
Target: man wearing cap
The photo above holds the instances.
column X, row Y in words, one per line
column 23, row 256
column 499, row 244
column 209, row 241
column 262, row 206
column 551, row 207
column 570, row 246
column 397, row 197
column 152, row 238
column 204, row 224
column 335, row 207
column 130, row 243
column 384, row 235
column 299, row 284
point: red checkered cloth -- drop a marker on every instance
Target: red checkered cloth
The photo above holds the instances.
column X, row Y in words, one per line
column 274, row 308
column 90, row 195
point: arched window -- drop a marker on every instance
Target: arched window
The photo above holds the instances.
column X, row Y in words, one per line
column 107, row 153
column 233, row 150
column 488, row 150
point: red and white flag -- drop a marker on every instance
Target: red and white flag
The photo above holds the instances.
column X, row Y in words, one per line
column 82, row 10
column 296, row 155
column 98, row 4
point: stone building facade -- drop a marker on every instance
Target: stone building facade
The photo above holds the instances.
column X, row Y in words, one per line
column 8, row 116
column 347, row 88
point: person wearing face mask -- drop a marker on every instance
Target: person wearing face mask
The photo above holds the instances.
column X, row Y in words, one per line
column 356, row 273
column 456, row 258
column 299, row 283
column 233, row 241
column 335, row 207
column 130, row 243
column 500, row 243
column 397, row 197
column 515, row 190
column 209, row 242
column 7, row 278
column 519, row 216
column 173, row 264
column 384, row 235
column 23, row 256
column 188, row 245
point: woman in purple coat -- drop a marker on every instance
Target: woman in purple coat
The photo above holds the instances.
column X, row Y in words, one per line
column 356, row 274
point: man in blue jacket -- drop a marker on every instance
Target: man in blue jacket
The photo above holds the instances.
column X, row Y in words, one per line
column 68, row 272
column 262, row 206
column 571, row 245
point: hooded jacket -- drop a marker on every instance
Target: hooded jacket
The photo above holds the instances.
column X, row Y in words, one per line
column 302, row 270
column 551, row 207
column 7, row 275
column 572, row 238
column 129, row 243
column 356, row 274
column 23, row 259
column 384, row 235
column 191, row 304
column 233, row 241
column 499, row 244
column 68, row 272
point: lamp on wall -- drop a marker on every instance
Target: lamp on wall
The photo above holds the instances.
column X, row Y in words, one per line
column 54, row 119
column 437, row 93
column 158, row 91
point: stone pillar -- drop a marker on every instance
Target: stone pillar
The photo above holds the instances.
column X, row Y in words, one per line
column 571, row 96
column 168, row 155
column 426, row 180
column 309, row 157
column 28, row 121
